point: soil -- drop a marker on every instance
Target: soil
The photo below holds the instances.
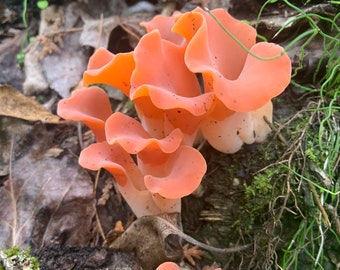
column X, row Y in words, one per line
column 221, row 214
column 57, row 257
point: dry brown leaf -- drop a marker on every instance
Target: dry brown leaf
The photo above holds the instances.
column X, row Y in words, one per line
column 96, row 31
column 10, row 128
column 10, row 71
column 46, row 200
column 54, row 152
column 64, row 69
column 15, row 104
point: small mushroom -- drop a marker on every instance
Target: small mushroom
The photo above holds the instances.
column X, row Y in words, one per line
column 241, row 81
column 130, row 134
column 181, row 174
column 107, row 68
column 170, row 169
column 129, row 178
column 164, row 25
column 168, row 266
column 164, row 90
column 89, row 105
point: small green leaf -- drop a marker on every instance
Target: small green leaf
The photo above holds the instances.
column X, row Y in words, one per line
column 20, row 58
column 42, row 4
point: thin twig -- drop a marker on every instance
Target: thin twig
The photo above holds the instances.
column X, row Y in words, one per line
column 169, row 8
column 100, row 31
column 80, row 135
column 13, row 199
column 319, row 204
column 100, row 227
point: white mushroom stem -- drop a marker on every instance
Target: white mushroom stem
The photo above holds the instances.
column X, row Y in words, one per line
column 229, row 134
column 143, row 203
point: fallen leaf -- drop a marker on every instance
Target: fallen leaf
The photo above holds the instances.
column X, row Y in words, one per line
column 54, row 152
column 15, row 104
column 96, row 31
column 10, row 128
column 61, row 59
column 46, row 200
column 11, row 73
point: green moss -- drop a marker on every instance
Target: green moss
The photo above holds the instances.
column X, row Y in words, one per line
column 21, row 258
column 12, row 251
column 258, row 196
column 260, row 186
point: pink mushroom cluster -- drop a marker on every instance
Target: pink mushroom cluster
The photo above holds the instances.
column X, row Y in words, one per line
column 152, row 159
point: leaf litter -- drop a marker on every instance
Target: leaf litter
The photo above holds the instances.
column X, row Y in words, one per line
column 15, row 104
column 44, row 199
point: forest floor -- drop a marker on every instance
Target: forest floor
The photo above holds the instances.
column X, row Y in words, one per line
column 281, row 196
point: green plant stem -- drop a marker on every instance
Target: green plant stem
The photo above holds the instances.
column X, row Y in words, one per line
column 312, row 33
column 311, row 182
column 23, row 14
column 241, row 44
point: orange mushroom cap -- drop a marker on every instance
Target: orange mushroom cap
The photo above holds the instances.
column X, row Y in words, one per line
column 209, row 47
column 88, row 105
column 169, row 168
column 164, row 24
column 151, row 117
column 162, row 77
column 107, row 68
column 258, row 82
column 123, row 168
column 241, row 81
column 114, row 159
column 168, row 266
column 130, row 134
column 182, row 174
column 161, row 122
